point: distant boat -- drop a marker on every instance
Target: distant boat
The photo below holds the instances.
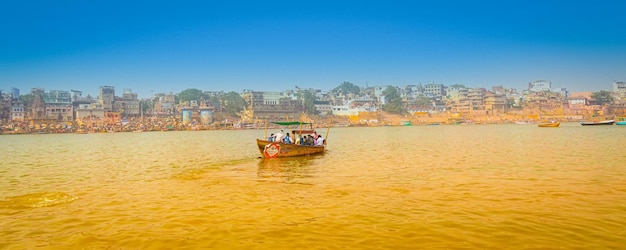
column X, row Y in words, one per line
column 606, row 122
column 621, row 120
column 524, row 122
column 550, row 125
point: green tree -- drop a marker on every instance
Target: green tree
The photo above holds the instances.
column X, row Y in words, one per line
column 233, row 103
column 147, row 106
column 192, row 95
column 347, row 87
column 27, row 99
column 308, row 99
column 602, row 97
column 422, row 101
column 216, row 101
column 394, row 101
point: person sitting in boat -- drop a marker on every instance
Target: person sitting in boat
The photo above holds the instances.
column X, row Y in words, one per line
column 271, row 138
column 319, row 141
column 287, row 139
column 279, row 136
column 301, row 140
column 315, row 135
column 309, row 140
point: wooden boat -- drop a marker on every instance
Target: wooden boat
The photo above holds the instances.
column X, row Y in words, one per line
column 621, row 120
column 524, row 122
column 272, row 149
column 549, row 125
column 606, row 122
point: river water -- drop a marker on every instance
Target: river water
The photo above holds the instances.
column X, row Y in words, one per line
column 415, row 187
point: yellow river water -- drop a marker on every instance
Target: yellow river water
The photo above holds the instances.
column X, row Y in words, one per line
column 415, row 187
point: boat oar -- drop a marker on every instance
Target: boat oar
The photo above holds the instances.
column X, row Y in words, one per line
column 328, row 129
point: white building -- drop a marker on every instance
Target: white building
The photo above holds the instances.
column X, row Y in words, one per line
column 540, row 86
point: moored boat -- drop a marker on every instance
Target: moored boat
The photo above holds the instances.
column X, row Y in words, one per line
column 621, row 120
column 549, row 125
column 605, row 122
column 524, row 122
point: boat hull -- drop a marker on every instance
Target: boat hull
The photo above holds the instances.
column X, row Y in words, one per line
column 550, row 125
column 607, row 122
column 270, row 149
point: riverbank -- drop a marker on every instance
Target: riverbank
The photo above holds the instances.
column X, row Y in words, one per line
column 153, row 124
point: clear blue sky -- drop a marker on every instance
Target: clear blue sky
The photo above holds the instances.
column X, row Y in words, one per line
column 169, row 46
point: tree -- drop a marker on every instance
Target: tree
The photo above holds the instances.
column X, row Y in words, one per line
column 602, row 97
column 423, row 101
column 347, row 87
column 192, row 95
column 27, row 99
column 394, row 101
column 216, row 101
column 147, row 106
column 308, row 100
column 233, row 103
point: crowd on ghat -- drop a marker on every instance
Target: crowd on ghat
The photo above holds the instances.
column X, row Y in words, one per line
column 307, row 140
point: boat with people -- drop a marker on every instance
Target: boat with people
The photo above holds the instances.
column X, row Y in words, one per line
column 298, row 141
column 593, row 123
column 621, row 120
column 549, row 125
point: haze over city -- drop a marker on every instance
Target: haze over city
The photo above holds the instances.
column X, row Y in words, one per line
column 162, row 47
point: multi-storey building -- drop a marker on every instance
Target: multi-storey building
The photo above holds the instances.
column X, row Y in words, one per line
column 476, row 98
column 539, row 86
column 106, row 97
column 272, row 105
column 165, row 105
column 458, row 101
column 128, row 104
column 5, row 106
column 18, row 111
column 90, row 113
column 434, row 90
column 38, row 105
column 58, row 105
column 619, row 88
column 495, row 103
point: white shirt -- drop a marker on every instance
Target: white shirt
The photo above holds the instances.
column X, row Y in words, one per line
column 279, row 137
column 319, row 142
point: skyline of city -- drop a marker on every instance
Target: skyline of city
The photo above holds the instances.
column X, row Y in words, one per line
column 121, row 90
column 153, row 47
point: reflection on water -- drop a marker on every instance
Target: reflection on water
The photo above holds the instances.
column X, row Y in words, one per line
column 289, row 170
column 480, row 186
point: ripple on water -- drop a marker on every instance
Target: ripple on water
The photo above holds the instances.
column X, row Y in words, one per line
column 34, row 200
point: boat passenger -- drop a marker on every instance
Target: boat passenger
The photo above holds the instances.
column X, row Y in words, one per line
column 279, row 136
column 271, row 138
column 287, row 139
column 319, row 141
column 309, row 140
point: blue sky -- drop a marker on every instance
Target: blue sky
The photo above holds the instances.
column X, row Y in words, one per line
column 169, row 46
